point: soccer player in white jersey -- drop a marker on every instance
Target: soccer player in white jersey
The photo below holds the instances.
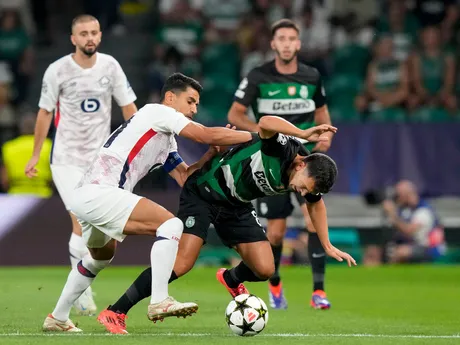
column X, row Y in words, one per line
column 78, row 88
column 108, row 211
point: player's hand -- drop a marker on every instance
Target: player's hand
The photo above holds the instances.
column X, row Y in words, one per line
column 322, row 146
column 337, row 254
column 30, row 170
column 315, row 134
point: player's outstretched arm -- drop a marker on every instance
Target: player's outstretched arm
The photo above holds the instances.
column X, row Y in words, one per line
column 42, row 126
column 318, row 215
column 182, row 171
column 214, row 135
column 269, row 125
column 237, row 115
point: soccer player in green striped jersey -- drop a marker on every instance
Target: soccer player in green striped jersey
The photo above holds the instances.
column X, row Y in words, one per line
column 294, row 91
column 221, row 193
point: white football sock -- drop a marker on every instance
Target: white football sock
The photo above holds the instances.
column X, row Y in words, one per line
column 163, row 257
column 77, row 250
column 78, row 281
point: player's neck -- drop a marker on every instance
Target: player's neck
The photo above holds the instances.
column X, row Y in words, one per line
column 286, row 68
column 83, row 60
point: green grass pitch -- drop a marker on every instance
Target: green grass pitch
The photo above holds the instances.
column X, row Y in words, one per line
column 388, row 305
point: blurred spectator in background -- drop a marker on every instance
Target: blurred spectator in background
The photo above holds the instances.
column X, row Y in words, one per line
column 23, row 8
column 402, row 26
column 16, row 154
column 108, row 13
column 442, row 13
column 316, row 40
column 418, row 234
column 225, row 15
column 259, row 53
column 181, row 27
column 166, row 61
column 355, row 20
column 7, row 117
column 16, row 51
column 433, row 73
column 387, row 82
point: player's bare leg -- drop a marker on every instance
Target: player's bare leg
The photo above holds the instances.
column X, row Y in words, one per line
column 257, row 265
column 77, row 250
column 114, row 317
column 77, row 282
column 276, row 229
column 146, row 217
column 317, row 257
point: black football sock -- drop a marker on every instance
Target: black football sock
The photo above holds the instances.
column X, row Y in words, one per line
column 140, row 289
column 277, row 250
column 317, row 257
column 240, row 274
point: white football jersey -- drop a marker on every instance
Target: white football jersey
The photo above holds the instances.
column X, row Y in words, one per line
column 81, row 99
column 138, row 145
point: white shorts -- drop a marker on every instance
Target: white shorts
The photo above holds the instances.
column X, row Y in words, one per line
column 102, row 212
column 66, row 178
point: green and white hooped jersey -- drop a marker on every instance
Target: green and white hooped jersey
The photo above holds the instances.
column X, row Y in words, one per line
column 294, row 97
column 249, row 171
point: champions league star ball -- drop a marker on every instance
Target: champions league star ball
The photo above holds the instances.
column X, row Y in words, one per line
column 246, row 315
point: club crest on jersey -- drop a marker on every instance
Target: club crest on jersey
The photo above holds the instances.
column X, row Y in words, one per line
column 190, row 222
column 303, row 91
column 292, row 90
column 104, row 81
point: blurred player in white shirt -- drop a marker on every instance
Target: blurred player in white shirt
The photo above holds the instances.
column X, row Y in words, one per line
column 108, row 210
column 78, row 89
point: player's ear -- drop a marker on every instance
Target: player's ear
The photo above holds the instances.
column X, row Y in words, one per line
column 72, row 39
column 272, row 44
column 301, row 165
column 170, row 97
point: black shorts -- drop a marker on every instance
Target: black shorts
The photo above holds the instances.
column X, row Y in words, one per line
column 277, row 206
column 233, row 224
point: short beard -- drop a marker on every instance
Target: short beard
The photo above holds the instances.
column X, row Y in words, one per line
column 286, row 61
column 89, row 53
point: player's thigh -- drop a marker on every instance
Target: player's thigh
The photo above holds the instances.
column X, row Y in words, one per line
column 105, row 208
column 66, row 178
column 100, row 245
column 76, row 227
column 240, row 228
column 189, row 250
column 195, row 213
column 146, row 217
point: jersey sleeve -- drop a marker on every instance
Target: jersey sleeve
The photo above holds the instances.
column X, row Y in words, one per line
column 50, row 90
column 279, row 145
column 122, row 90
column 320, row 94
column 312, row 198
column 248, row 91
column 167, row 120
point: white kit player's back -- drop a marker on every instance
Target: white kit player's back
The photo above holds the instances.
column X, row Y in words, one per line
column 137, row 146
column 82, row 101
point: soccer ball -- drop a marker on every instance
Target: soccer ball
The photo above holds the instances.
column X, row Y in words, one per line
column 246, row 315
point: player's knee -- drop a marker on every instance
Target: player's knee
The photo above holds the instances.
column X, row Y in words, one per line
column 275, row 237
column 171, row 229
column 182, row 267
column 90, row 267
